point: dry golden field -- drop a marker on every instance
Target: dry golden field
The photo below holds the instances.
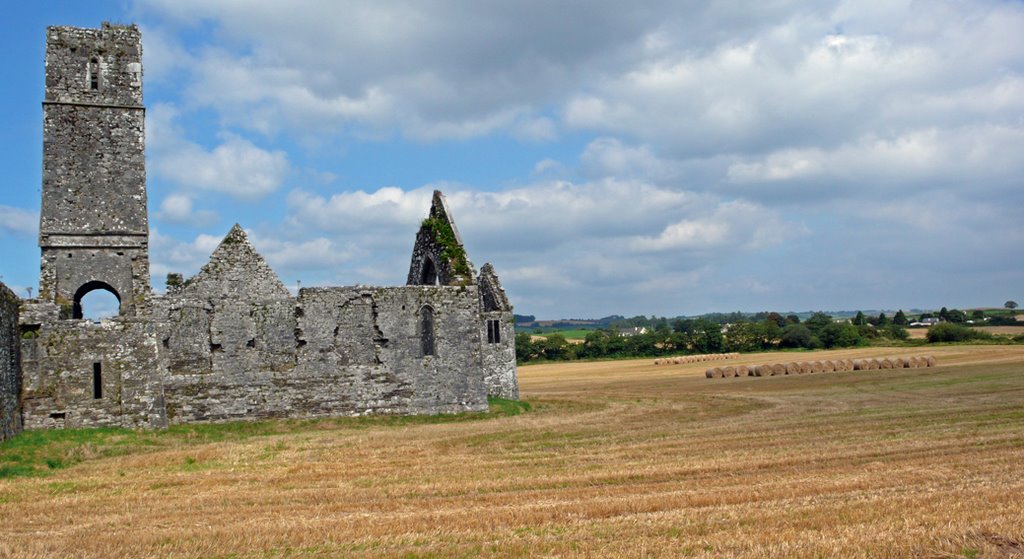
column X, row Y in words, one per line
column 616, row 459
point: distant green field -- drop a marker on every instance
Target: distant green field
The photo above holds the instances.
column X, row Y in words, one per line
column 575, row 334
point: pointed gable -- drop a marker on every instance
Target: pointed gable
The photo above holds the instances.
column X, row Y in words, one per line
column 438, row 257
column 492, row 296
column 236, row 270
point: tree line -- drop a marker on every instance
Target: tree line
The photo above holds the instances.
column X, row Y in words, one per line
column 706, row 335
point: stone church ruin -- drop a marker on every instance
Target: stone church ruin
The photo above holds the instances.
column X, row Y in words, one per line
column 231, row 342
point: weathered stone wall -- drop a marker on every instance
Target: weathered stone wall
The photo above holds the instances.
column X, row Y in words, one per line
column 83, row 374
column 117, row 49
column 359, row 350
column 497, row 337
column 93, row 223
column 231, row 342
column 499, row 355
column 10, row 364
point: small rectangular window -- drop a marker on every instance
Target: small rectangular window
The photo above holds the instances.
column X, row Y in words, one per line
column 97, row 381
column 493, row 332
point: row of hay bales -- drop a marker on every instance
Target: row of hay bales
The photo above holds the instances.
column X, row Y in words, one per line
column 683, row 359
column 826, row 366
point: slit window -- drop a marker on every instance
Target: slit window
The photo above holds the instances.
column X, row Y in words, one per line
column 427, row 331
column 94, row 74
column 493, row 332
column 97, row 381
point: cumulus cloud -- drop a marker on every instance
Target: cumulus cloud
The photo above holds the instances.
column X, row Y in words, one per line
column 177, row 208
column 236, row 166
column 706, row 147
column 443, row 70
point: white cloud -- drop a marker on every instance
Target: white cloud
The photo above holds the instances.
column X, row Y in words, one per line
column 922, row 158
column 18, row 221
column 732, row 226
column 722, row 143
column 540, row 129
column 236, row 166
column 178, row 208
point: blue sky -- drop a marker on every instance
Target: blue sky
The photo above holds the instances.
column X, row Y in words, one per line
column 663, row 158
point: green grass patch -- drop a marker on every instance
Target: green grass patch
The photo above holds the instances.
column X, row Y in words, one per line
column 42, row 452
column 501, row 406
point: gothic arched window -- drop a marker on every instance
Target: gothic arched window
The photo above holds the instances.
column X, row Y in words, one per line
column 427, row 330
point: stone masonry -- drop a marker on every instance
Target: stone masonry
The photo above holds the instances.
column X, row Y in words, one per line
column 10, row 364
column 231, row 342
column 94, row 228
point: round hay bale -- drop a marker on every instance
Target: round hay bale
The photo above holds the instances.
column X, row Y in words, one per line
column 911, row 362
column 885, row 363
column 657, row 361
column 816, row 367
column 873, row 364
column 778, row 369
column 860, row 365
column 676, row 361
column 744, row 371
column 793, row 368
column 930, row 359
column 828, row 366
column 839, row 365
column 849, row 364
column 709, row 373
column 728, row 372
column 899, row 363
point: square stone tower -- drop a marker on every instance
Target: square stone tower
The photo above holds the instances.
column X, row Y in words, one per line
column 94, row 230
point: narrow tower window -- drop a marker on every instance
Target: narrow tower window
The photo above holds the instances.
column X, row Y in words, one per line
column 427, row 330
column 94, row 74
column 493, row 332
column 97, row 381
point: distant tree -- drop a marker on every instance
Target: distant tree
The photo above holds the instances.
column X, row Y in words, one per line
column 882, row 320
column 859, row 320
column 770, row 333
column 978, row 314
column 792, row 319
column 955, row 333
column 795, row 335
column 900, row 319
column 525, row 349
column 956, row 316
column 744, row 337
column 839, row 335
column 557, row 348
column 817, row 321
column 944, row 314
column 895, row 332
column 777, row 318
column 1010, row 305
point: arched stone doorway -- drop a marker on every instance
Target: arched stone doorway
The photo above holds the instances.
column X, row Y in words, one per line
column 78, row 311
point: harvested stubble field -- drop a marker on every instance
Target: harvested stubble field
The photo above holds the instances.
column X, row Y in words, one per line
column 616, row 459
